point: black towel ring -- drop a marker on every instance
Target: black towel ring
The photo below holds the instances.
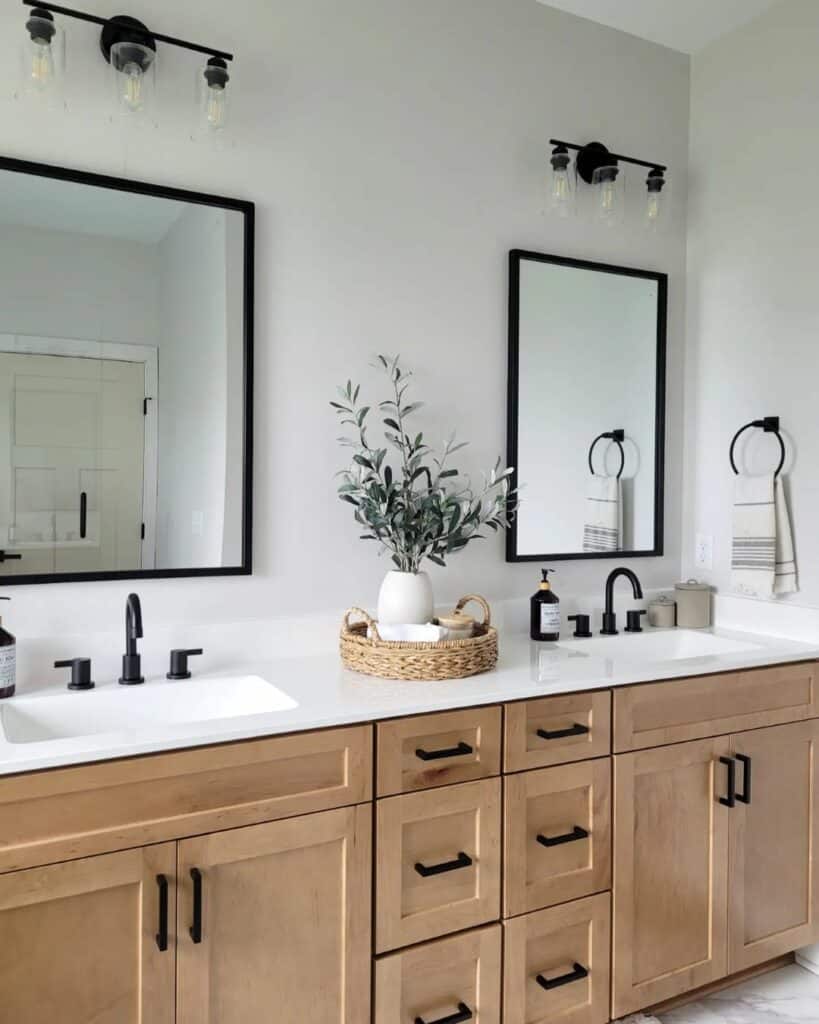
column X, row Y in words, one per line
column 770, row 424
column 618, row 436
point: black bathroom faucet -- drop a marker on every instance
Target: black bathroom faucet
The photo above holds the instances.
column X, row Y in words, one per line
column 609, row 618
column 131, row 661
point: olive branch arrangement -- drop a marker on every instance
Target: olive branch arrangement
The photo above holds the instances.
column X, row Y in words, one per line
column 423, row 508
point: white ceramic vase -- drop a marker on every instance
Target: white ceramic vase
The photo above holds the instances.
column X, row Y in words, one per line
column 405, row 597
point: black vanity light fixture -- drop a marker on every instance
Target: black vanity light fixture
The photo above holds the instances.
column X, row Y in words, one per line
column 598, row 167
column 129, row 47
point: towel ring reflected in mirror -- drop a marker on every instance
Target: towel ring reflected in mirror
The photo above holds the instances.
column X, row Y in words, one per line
column 770, row 424
column 618, row 436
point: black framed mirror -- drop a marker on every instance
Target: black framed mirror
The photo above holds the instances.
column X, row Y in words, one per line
column 126, row 378
column 586, row 408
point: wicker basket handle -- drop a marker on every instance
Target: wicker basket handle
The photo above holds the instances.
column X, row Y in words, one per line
column 487, row 615
column 371, row 623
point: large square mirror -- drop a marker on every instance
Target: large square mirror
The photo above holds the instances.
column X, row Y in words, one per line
column 586, row 408
column 126, row 314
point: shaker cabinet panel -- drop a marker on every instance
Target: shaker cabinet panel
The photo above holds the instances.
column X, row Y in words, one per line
column 457, row 977
column 774, row 885
column 438, row 750
column 439, row 862
column 81, row 940
column 557, row 835
column 274, row 922
column 557, row 730
column 670, row 872
column 557, row 964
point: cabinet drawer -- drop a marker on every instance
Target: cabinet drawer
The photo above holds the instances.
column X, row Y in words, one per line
column 71, row 812
column 435, row 750
column 435, row 981
column 688, row 709
column 438, row 862
column 556, row 730
column 556, row 965
column 557, row 834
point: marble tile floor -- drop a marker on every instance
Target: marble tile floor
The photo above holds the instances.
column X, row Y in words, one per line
column 789, row 995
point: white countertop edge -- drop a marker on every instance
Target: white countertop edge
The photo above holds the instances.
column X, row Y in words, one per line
column 330, row 696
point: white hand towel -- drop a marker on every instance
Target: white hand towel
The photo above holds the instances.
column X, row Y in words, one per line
column 786, row 580
column 411, row 633
column 602, row 530
column 754, row 546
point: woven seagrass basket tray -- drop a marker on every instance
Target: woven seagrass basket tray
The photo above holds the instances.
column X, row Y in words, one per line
column 393, row 659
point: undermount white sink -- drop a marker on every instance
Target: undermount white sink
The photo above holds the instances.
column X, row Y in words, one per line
column 659, row 645
column 130, row 709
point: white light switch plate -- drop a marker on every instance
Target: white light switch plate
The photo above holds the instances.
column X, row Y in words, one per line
column 704, row 551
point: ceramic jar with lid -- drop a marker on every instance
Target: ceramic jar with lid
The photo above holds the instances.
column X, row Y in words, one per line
column 693, row 604
column 662, row 613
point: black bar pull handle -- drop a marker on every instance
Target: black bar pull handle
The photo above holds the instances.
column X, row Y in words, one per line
column 196, row 927
column 437, row 755
column 463, row 860
column 745, row 796
column 560, row 734
column 6, row 556
column 162, row 934
column 576, row 834
column 731, row 799
column 83, row 514
column 577, row 973
column 464, row 1013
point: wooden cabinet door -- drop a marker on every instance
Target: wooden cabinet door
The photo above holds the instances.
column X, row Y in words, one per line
column 79, row 941
column 670, row 872
column 773, row 885
column 284, row 922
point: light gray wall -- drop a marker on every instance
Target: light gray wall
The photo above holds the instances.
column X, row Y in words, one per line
column 396, row 151
column 753, row 316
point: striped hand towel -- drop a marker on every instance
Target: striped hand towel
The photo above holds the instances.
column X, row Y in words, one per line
column 602, row 530
column 786, row 580
column 754, row 545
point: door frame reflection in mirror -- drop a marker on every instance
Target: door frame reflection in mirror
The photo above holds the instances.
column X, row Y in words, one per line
column 516, row 257
column 247, row 210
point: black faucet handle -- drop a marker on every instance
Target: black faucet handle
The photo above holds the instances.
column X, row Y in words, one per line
column 179, row 662
column 80, row 673
column 582, row 625
column 633, row 623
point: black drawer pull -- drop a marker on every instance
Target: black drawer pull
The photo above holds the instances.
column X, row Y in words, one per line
column 162, row 934
column 83, row 514
column 576, row 834
column 463, row 860
column 560, row 734
column 745, row 796
column 196, row 927
column 577, row 974
column 731, row 799
column 464, row 1013
column 436, row 755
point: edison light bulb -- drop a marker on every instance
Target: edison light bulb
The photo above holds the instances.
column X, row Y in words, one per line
column 216, row 106
column 561, row 194
column 42, row 64
column 608, row 208
column 132, row 87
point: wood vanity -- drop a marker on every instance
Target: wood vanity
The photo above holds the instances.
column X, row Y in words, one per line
column 566, row 859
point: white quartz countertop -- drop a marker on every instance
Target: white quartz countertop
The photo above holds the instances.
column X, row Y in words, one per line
column 317, row 692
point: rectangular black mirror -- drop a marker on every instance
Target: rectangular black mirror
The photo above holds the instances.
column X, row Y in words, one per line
column 126, row 360
column 586, row 408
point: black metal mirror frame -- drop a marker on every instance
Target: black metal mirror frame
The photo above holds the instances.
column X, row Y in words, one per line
column 516, row 256
column 247, row 209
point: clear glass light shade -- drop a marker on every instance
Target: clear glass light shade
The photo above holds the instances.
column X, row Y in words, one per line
column 41, row 57
column 133, row 68
column 560, row 201
column 214, row 95
column 608, row 195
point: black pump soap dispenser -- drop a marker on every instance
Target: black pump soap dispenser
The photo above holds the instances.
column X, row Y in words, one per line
column 8, row 660
column 545, row 617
